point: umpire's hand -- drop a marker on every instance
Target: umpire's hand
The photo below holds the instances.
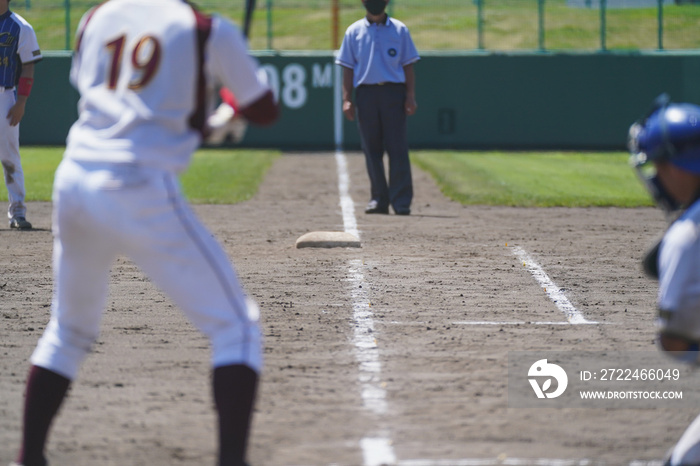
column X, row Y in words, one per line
column 349, row 110
column 410, row 105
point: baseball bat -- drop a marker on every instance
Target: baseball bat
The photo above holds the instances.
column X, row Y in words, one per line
column 248, row 17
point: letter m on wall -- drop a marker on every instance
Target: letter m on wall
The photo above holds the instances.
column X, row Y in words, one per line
column 322, row 75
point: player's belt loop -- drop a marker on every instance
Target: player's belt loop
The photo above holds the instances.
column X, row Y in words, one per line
column 6, row 89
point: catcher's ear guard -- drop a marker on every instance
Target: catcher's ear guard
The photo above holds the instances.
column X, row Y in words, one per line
column 650, row 262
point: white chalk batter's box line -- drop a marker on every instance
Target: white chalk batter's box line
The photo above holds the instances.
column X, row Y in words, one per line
column 505, row 461
column 555, row 294
column 484, row 322
column 519, row 462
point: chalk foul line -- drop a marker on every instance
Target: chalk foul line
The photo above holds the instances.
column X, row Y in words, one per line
column 346, row 203
column 376, row 450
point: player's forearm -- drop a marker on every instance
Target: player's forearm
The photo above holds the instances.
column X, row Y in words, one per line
column 25, row 82
column 348, row 81
column 410, row 80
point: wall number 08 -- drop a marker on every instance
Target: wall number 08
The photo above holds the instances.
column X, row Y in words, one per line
column 292, row 88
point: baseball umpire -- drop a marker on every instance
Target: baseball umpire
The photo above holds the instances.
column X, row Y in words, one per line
column 145, row 71
column 377, row 56
column 19, row 51
column 665, row 149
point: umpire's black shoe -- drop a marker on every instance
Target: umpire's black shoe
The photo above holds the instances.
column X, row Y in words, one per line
column 20, row 223
column 373, row 208
column 403, row 211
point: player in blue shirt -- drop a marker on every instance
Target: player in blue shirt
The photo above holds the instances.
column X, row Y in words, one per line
column 377, row 56
column 19, row 51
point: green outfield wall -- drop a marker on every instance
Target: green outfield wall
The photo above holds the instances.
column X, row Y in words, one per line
column 465, row 101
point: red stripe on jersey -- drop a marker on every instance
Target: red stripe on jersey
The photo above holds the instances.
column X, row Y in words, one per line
column 199, row 117
column 88, row 16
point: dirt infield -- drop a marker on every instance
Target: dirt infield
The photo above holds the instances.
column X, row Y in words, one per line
column 432, row 389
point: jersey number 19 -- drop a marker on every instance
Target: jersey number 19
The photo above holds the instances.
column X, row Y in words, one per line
column 145, row 58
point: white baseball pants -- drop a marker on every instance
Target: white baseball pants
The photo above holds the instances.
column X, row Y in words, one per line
column 102, row 210
column 9, row 156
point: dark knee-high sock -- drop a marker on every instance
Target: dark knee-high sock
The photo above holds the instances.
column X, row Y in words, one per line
column 234, row 395
column 45, row 392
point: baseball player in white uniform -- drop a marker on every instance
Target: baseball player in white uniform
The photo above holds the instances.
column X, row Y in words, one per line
column 665, row 148
column 145, row 70
column 19, row 51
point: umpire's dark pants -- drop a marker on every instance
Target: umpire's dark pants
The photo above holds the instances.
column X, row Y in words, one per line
column 381, row 118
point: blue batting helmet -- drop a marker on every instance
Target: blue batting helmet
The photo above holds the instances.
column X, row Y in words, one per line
column 670, row 132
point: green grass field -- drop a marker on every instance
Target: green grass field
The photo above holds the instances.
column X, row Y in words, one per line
column 435, row 24
column 215, row 176
column 527, row 179
column 535, row 179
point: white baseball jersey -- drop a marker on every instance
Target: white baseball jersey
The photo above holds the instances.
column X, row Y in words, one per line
column 127, row 67
column 679, row 274
column 679, row 293
column 678, row 258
